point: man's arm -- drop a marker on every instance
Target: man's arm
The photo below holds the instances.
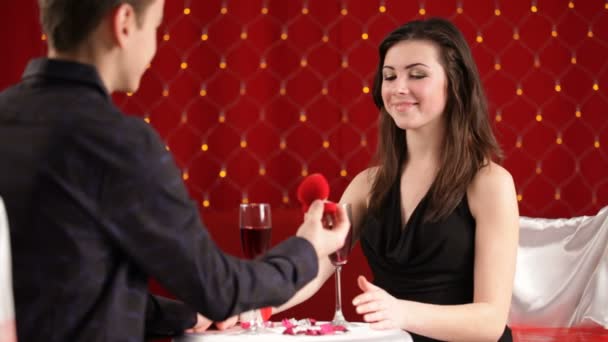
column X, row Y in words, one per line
column 150, row 217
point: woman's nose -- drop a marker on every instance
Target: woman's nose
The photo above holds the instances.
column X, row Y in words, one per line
column 402, row 86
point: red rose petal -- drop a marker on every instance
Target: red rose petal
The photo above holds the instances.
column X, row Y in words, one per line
column 327, row 329
column 310, row 327
column 287, row 323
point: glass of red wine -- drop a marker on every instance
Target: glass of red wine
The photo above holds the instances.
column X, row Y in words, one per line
column 255, row 226
column 339, row 259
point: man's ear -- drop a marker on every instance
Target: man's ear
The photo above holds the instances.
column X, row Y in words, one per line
column 123, row 22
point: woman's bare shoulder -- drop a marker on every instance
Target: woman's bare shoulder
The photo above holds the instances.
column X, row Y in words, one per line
column 492, row 184
column 362, row 182
column 358, row 190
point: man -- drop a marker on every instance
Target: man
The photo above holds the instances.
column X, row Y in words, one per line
column 96, row 204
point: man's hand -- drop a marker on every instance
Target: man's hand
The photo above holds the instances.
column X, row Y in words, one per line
column 202, row 324
column 228, row 323
column 325, row 241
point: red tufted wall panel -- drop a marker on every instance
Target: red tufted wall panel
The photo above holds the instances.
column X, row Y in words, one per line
column 252, row 95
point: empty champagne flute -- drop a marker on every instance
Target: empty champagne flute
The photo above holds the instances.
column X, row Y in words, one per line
column 339, row 259
column 255, row 227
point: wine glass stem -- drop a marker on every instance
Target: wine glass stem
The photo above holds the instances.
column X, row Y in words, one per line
column 338, row 313
column 255, row 322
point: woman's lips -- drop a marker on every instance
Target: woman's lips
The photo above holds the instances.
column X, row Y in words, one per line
column 403, row 106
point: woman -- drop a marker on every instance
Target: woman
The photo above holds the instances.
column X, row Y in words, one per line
column 437, row 218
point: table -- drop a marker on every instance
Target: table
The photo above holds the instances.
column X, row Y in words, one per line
column 359, row 332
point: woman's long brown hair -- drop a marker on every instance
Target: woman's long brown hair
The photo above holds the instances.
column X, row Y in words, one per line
column 469, row 143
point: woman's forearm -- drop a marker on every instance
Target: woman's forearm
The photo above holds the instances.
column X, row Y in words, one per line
column 466, row 322
column 325, row 271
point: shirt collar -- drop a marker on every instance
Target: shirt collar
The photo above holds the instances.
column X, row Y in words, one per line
column 65, row 70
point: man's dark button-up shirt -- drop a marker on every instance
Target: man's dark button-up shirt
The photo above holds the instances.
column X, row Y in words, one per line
column 96, row 205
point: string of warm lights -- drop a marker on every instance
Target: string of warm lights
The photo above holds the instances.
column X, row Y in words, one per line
column 332, row 42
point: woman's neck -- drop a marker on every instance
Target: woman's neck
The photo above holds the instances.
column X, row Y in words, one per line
column 425, row 144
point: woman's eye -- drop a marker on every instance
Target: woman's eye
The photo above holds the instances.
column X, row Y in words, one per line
column 417, row 76
column 389, row 77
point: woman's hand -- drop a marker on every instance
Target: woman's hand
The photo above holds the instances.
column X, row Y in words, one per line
column 378, row 307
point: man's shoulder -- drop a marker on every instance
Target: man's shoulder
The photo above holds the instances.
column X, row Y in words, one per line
column 116, row 128
column 49, row 103
column 8, row 94
column 82, row 113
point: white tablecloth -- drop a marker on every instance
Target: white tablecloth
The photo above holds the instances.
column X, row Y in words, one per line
column 360, row 332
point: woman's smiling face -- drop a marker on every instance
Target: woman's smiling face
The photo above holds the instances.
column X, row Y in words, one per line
column 414, row 83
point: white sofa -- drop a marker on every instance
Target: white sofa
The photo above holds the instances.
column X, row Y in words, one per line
column 561, row 279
